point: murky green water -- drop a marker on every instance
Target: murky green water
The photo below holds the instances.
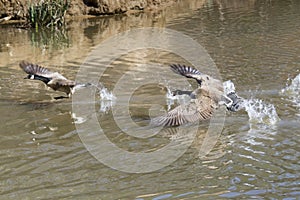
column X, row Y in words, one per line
column 254, row 44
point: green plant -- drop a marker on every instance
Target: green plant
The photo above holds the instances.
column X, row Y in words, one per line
column 47, row 13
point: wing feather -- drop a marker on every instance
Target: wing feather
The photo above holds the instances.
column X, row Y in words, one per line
column 200, row 109
column 35, row 69
column 187, row 71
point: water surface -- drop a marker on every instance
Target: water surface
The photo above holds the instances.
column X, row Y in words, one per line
column 255, row 45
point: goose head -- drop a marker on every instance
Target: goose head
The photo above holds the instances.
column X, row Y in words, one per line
column 30, row 76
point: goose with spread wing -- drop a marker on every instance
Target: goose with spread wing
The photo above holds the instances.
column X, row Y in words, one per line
column 204, row 100
column 54, row 80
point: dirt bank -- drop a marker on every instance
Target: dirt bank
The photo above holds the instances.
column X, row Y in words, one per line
column 17, row 9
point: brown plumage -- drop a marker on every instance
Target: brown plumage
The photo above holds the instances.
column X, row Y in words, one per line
column 204, row 100
column 53, row 80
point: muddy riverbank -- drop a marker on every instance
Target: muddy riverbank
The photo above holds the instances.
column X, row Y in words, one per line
column 17, row 9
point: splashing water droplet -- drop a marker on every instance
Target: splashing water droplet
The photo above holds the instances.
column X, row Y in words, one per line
column 107, row 101
column 260, row 112
column 78, row 120
column 292, row 90
column 105, row 94
column 170, row 98
column 228, row 87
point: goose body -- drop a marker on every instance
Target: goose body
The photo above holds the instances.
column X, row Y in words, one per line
column 204, row 100
column 54, row 80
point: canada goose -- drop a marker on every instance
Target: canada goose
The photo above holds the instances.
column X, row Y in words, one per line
column 204, row 100
column 54, row 80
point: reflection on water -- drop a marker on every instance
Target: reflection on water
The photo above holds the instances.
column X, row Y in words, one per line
column 255, row 44
column 50, row 39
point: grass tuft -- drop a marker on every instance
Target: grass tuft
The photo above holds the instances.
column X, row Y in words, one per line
column 47, row 13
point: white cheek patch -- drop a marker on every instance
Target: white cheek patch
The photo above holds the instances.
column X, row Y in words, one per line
column 32, row 77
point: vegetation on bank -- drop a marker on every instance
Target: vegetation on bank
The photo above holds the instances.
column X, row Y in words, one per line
column 47, row 13
column 47, row 17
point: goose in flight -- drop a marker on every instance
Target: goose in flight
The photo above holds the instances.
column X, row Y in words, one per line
column 54, row 80
column 204, row 100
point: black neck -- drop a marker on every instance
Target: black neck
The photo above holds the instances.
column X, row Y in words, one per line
column 42, row 78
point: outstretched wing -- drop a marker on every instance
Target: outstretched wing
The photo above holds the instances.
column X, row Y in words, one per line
column 188, row 72
column 35, row 69
column 199, row 109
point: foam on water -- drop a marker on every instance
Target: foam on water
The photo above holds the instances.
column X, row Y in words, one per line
column 292, row 90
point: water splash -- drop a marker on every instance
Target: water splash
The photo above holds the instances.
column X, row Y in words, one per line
column 292, row 90
column 170, row 98
column 260, row 112
column 106, row 95
column 77, row 120
column 228, row 87
column 179, row 99
column 108, row 99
